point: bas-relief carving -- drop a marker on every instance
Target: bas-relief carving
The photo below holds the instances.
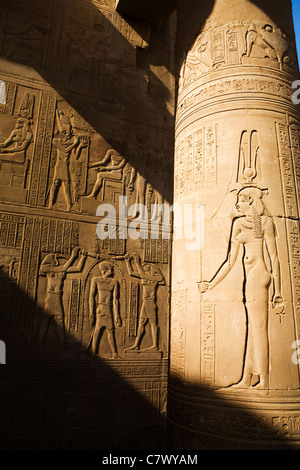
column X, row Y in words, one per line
column 64, row 143
column 104, row 312
column 79, row 300
column 93, row 35
column 108, row 169
column 246, row 83
column 14, row 158
column 150, row 276
column 196, row 161
column 254, row 232
column 71, row 141
column 239, row 43
column 56, row 268
column 49, row 254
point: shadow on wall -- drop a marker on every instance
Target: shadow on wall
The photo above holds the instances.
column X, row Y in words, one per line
column 106, row 69
column 188, row 29
column 65, row 398
column 57, row 396
column 202, row 418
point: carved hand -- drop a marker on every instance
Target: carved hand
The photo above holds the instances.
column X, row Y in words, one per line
column 75, row 251
column 119, row 321
column 92, row 320
column 203, row 286
column 277, row 300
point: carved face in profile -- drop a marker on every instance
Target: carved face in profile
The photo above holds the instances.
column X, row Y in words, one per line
column 147, row 268
column 244, row 203
column 248, row 199
column 20, row 122
column 115, row 160
column 106, row 269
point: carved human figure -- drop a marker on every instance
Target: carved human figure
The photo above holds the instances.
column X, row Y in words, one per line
column 196, row 60
column 12, row 270
column 56, row 274
column 150, row 276
column 139, row 183
column 64, row 142
column 254, row 231
column 11, row 267
column 19, row 140
column 110, row 167
column 104, row 292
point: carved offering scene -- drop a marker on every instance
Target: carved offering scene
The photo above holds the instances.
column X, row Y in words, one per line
column 149, row 227
column 86, row 169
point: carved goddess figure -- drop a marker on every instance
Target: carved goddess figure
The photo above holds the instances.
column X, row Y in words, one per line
column 254, row 232
column 19, row 140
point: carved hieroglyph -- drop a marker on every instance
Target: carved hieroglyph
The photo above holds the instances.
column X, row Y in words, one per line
column 235, row 298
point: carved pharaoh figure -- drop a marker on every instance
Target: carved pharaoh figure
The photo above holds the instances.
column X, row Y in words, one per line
column 104, row 293
column 64, row 142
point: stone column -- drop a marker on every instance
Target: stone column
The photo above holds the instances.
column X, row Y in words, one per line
column 234, row 373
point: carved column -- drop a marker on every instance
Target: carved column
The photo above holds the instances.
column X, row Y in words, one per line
column 235, row 297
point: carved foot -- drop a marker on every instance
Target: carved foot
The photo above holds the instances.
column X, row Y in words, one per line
column 262, row 383
column 244, row 383
column 134, row 347
column 151, row 348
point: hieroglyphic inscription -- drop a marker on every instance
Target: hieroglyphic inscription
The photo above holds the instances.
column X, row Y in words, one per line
column 294, row 241
column 111, row 246
column 156, row 250
column 222, row 87
column 232, row 47
column 28, row 278
column 133, row 308
column 59, row 236
column 207, row 343
column 74, row 306
column 196, row 161
column 217, row 47
column 124, row 28
column 295, row 146
column 291, row 212
column 11, row 230
column 238, row 43
column 287, row 171
column 177, row 353
column 287, row 425
column 30, row 255
column 40, row 165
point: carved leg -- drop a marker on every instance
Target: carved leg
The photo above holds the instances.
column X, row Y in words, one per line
column 112, row 342
column 140, row 332
column 53, row 192
column 67, row 191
